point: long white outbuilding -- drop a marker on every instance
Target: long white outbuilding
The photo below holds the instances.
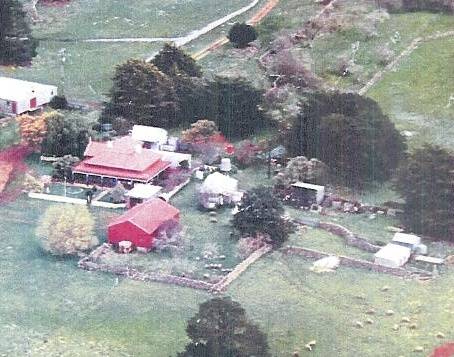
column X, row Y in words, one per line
column 18, row 96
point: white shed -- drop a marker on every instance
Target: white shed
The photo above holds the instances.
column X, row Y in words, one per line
column 408, row 240
column 141, row 192
column 17, row 96
column 219, row 189
column 392, row 255
column 319, row 191
column 175, row 158
column 150, row 134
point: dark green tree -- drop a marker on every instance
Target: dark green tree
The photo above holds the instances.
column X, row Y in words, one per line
column 260, row 212
column 62, row 168
column 221, row 329
column 426, row 182
column 141, row 94
column 237, row 104
column 350, row 134
column 64, row 136
column 17, row 46
column 241, row 34
column 171, row 60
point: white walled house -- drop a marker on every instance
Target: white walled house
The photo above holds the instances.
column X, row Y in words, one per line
column 18, row 96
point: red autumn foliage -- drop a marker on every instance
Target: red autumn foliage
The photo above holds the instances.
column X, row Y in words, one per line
column 11, row 165
column 447, row 350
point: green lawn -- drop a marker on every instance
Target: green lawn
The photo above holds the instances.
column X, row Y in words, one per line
column 416, row 96
column 9, row 134
column 89, row 66
column 295, row 306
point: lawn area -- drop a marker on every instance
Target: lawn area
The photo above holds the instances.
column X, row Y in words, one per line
column 405, row 27
column 9, row 134
column 89, row 66
column 416, row 96
column 295, row 306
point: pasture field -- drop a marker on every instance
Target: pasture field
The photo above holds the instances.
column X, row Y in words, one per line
column 89, row 67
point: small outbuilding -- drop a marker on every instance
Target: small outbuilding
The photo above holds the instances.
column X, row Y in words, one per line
column 392, row 255
column 218, row 190
column 142, row 224
column 140, row 193
column 407, row 240
column 308, row 193
column 152, row 137
column 18, row 96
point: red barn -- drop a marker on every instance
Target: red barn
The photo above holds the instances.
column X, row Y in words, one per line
column 141, row 224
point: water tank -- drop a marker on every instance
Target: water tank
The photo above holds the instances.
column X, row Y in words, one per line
column 226, row 165
column 106, row 127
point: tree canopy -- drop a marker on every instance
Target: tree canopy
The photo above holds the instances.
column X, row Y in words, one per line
column 172, row 61
column 67, row 230
column 17, row 45
column 221, row 328
column 241, row 34
column 141, row 94
column 260, row 212
column 426, row 182
column 349, row 133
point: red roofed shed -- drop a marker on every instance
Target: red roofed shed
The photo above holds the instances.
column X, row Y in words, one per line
column 141, row 224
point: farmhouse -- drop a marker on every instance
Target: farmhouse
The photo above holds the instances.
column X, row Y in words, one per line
column 17, row 96
column 142, row 224
column 122, row 160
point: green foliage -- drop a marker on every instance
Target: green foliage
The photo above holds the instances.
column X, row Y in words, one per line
column 350, row 134
column 267, row 29
column 141, row 94
column 173, row 61
column 63, row 167
column 222, row 329
column 425, row 181
column 67, row 230
column 118, row 193
column 237, row 104
column 58, row 102
column 301, row 169
column 241, row 34
column 64, row 137
column 201, row 130
column 419, row 5
column 261, row 213
column 17, row 46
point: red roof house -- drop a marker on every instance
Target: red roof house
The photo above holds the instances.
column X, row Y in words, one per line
column 122, row 159
column 142, row 223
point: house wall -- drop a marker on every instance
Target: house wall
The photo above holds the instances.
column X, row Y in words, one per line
column 130, row 232
column 6, row 106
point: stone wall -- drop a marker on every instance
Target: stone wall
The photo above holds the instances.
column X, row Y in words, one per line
column 347, row 261
column 350, row 238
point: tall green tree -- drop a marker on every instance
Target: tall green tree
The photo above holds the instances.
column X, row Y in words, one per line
column 17, row 46
column 241, row 34
column 141, row 94
column 172, row 60
column 349, row 133
column 237, row 107
column 221, row 329
column 426, row 182
column 260, row 212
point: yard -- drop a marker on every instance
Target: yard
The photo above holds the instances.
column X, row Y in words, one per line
column 89, row 66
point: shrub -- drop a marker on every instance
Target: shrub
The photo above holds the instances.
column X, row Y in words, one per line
column 32, row 184
column 67, row 230
column 62, row 168
column 301, row 169
column 241, row 34
column 58, row 102
column 172, row 61
column 200, row 131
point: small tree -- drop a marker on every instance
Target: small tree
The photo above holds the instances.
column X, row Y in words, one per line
column 221, row 328
column 118, row 193
column 425, row 181
column 200, row 131
column 32, row 184
column 301, row 169
column 63, row 167
column 261, row 213
column 17, row 46
column 172, row 61
column 67, row 230
column 241, row 34
column 33, row 130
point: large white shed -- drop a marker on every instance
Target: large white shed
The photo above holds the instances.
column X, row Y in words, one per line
column 392, row 255
column 18, row 96
column 150, row 134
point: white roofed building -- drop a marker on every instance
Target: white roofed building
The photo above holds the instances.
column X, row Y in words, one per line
column 219, row 189
column 152, row 135
column 392, row 255
column 18, row 96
